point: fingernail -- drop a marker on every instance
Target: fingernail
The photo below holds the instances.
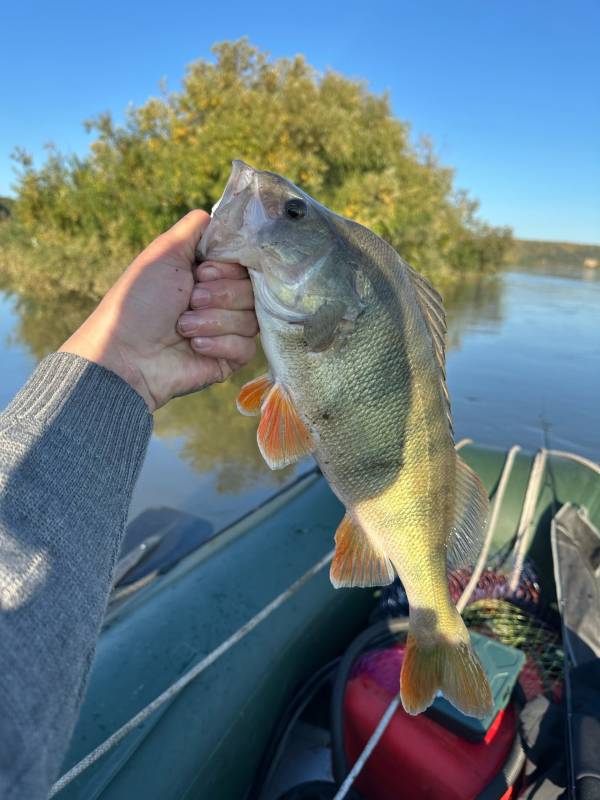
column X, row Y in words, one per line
column 200, row 297
column 207, row 273
column 202, row 344
column 186, row 325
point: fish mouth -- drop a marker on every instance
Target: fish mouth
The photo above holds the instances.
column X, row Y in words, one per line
column 233, row 235
column 242, row 178
column 235, row 219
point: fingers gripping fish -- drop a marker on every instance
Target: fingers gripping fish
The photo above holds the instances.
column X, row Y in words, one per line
column 355, row 339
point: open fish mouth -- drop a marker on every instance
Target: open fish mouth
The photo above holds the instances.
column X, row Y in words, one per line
column 242, row 181
column 236, row 218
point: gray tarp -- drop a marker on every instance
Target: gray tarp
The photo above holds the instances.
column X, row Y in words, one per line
column 576, row 554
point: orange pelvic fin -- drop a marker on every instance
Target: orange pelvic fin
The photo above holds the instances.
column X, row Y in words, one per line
column 283, row 437
column 452, row 668
column 357, row 562
column 252, row 394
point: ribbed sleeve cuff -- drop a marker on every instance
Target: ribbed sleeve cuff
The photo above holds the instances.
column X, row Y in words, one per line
column 88, row 404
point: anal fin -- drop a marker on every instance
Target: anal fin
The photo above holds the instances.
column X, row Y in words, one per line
column 252, row 394
column 357, row 562
column 283, row 437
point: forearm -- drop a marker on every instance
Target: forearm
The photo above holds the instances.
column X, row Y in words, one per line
column 71, row 446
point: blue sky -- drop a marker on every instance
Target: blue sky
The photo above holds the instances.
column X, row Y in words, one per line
column 508, row 91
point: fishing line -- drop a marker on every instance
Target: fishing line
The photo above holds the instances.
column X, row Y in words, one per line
column 193, row 673
column 187, row 678
column 368, row 749
column 495, row 516
column 527, row 515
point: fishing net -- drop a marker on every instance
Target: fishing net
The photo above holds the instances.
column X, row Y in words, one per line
column 520, row 628
column 494, row 584
column 514, row 618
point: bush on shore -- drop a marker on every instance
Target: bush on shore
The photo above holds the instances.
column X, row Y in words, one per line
column 77, row 221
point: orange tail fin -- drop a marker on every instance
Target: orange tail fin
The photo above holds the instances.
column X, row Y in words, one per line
column 449, row 667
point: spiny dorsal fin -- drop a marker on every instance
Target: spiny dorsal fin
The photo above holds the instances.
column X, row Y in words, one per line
column 282, row 435
column 471, row 506
column 357, row 562
column 432, row 308
column 252, row 394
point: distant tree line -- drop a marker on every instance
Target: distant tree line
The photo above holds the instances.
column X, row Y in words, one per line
column 78, row 220
column 531, row 253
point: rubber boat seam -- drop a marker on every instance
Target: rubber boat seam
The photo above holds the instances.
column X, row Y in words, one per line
column 532, row 495
column 220, row 540
column 233, row 532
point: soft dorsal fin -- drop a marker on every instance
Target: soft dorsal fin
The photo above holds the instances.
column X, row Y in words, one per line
column 358, row 561
column 282, row 435
column 470, row 513
column 432, row 308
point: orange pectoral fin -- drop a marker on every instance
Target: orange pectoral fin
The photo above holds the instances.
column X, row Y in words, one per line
column 283, row 437
column 252, row 394
column 357, row 562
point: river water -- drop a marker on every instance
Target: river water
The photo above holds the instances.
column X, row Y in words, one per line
column 523, row 367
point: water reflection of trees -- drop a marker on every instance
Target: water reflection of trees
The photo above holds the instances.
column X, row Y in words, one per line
column 216, row 437
column 44, row 324
column 472, row 303
column 213, row 436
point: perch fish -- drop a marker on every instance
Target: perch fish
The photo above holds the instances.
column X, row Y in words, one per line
column 355, row 340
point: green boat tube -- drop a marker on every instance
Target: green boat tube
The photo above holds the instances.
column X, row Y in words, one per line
column 194, row 668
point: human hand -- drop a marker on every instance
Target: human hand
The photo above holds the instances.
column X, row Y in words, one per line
column 144, row 330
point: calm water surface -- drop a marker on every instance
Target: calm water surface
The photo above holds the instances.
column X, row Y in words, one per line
column 523, row 367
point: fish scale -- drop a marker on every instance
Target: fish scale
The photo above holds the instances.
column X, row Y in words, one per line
column 332, row 408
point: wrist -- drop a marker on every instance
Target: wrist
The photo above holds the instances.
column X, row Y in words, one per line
column 100, row 350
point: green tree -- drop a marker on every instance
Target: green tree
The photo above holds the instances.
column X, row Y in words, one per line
column 83, row 218
column 6, row 204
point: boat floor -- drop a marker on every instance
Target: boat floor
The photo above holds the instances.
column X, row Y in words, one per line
column 307, row 757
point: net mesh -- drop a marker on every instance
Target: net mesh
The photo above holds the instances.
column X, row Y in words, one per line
column 513, row 618
column 516, row 619
column 520, row 628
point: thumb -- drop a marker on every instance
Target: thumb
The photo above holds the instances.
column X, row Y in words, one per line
column 186, row 233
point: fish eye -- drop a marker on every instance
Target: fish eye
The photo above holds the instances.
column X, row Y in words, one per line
column 296, row 208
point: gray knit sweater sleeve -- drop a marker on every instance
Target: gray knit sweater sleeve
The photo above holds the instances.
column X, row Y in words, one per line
column 71, row 446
